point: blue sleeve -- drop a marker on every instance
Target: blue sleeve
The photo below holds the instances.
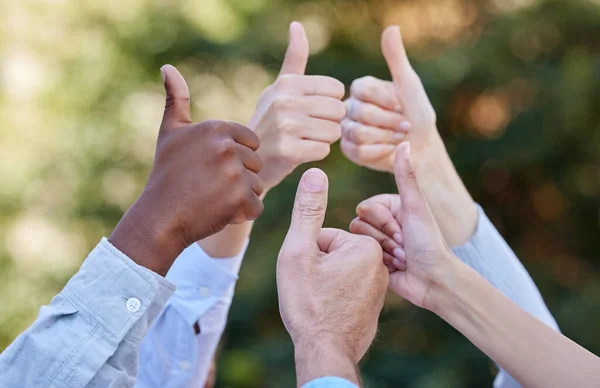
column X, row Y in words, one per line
column 89, row 334
column 330, row 382
column 173, row 354
column 488, row 254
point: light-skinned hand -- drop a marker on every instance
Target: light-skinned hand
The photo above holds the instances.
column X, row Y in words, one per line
column 331, row 287
column 381, row 114
column 298, row 117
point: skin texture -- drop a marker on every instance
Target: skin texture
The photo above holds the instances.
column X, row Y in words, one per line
column 297, row 119
column 177, row 206
column 331, row 286
column 382, row 114
column 530, row 351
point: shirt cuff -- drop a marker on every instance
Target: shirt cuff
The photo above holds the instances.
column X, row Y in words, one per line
column 201, row 280
column 330, row 382
column 117, row 293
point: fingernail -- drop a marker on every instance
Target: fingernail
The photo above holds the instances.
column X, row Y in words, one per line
column 405, row 126
column 315, row 182
column 399, row 254
column 398, row 136
column 398, row 238
column 163, row 75
column 407, row 151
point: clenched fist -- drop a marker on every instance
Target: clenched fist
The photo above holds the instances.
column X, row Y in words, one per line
column 204, row 177
column 331, row 287
column 298, row 117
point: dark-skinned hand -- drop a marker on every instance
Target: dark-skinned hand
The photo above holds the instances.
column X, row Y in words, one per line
column 204, row 177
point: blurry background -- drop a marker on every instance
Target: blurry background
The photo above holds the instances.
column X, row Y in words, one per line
column 514, row 83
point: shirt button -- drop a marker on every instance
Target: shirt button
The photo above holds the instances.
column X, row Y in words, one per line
column 204, row 292
column 133, row 305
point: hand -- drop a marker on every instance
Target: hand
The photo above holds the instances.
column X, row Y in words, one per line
column 298, row 117
column 204, row 177
column 425, row 259
column 382, row 114
column 331, row 287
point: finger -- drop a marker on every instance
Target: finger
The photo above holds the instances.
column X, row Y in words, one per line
column 367, row 153
column 296, row 55
column 412, row 200
column 366, row 134
column 376, row 91
column 319, row 130
column 310, row 85
column 241, row 134
column 388, row 261
column 256, row 183
column 370, row 114
column 358, row 226
column 254, row 208
column 330, row 239
column 249, row 158
column 395, row 54
column 399, row 264
column 177, row 106
column 309, row 210
column 326, row 108
column 381, row 217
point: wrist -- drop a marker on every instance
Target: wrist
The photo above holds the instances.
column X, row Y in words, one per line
column 147, row 238
column 322, row 356
column 450, row 282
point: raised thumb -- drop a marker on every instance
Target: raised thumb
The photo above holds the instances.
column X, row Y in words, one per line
column 309, row 210
column 412, row 200
column 394, row 53
column 296, row 55
column 177, row 106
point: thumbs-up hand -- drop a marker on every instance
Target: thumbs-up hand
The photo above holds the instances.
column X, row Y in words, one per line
column 381, row 114
column 297, row 118
column 331, row 283
column 204, row 177
column 408, row 233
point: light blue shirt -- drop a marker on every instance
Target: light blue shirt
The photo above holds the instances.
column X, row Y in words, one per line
column 90, row 333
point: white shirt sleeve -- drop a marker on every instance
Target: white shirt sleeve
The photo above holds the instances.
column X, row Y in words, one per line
column 173, row 354
column 488, row 254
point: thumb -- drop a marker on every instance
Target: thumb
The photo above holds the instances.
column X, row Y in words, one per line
column 296, row 55
column 413, row 203
column 177, row 106
column 309, row 210
column 395, row 53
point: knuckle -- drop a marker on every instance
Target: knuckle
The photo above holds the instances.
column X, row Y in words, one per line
column 226, row 148
column 339, row 110
column 336, row 133
column 285, row 123
column 309, row 209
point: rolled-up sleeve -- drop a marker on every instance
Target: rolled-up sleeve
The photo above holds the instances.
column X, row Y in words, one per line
column 173, row 354
column 89, row 334
column 488, row 254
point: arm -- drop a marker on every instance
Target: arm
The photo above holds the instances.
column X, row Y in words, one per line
column 529, row 350
column 89, row 334
column 532, row 352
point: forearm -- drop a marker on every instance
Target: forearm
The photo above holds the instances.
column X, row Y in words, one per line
column 530, row 351
column 450, row 202
column 316, row 359
column 229, row 242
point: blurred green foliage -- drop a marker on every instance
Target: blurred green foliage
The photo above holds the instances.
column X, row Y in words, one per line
column 514, row 83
